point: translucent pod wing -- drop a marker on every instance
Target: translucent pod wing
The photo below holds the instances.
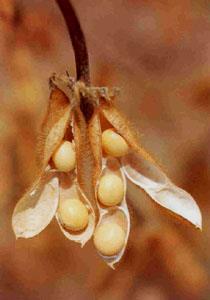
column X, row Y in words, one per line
column 160, row 188
column 35, row 210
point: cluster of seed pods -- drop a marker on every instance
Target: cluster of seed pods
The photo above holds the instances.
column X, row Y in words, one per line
column 74, row 213
column 82, row 167
column 86, row 147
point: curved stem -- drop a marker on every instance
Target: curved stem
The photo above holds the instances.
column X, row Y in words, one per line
column 77, row 39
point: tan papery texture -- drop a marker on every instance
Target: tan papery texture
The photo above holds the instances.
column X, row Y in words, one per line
column 53, row 127
column 35, row 210
column 85, row 162
column 94, row 129
column 123, row 127
column 118, row 213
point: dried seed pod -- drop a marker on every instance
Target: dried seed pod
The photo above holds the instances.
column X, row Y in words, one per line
column 79, row 230
column 94, row 132
column 85, row 162
column 54, row 127
column 37, row 207
column 117, row 215
column 64, row 157
column 35, row 210
column 114, row 144
column 155, row 182
column 86, row 169
column 123, row 127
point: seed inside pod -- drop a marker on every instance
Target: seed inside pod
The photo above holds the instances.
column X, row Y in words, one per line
column 110, row 190
column 109, row 238
column 73, row 214
column 114, row 144
column 64, row 157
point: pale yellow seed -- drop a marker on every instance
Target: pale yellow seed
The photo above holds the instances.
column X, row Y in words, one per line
column 109, row 238
column 114, row 144
column 64, row 157
column 110, row 190
column 73, row 214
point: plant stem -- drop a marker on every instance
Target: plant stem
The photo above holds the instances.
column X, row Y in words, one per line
column 77, row 39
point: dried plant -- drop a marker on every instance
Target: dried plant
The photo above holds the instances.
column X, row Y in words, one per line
column 82, row 113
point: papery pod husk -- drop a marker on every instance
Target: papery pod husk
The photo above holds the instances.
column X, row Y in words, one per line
column 52, row 133
column 85, row 162
column 94, row 130
column 69, row 189
column 54, row 126
column 35, row 210
column 119, row 213
column 124, row 128
column 160, row 188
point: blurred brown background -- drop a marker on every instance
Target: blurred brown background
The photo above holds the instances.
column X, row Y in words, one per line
column 158, row 52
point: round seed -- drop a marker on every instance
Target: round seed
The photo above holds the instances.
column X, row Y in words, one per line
column 73, row 214
column 113, row 143
column 64, row 157
column 109, row 238
column 110, row 190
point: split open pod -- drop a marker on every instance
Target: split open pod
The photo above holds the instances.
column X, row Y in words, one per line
column 74, row 213
column 112, row 231
column 60, row 187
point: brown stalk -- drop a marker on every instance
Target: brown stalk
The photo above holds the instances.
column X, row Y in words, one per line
column 80, row 52
column 78, row 40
